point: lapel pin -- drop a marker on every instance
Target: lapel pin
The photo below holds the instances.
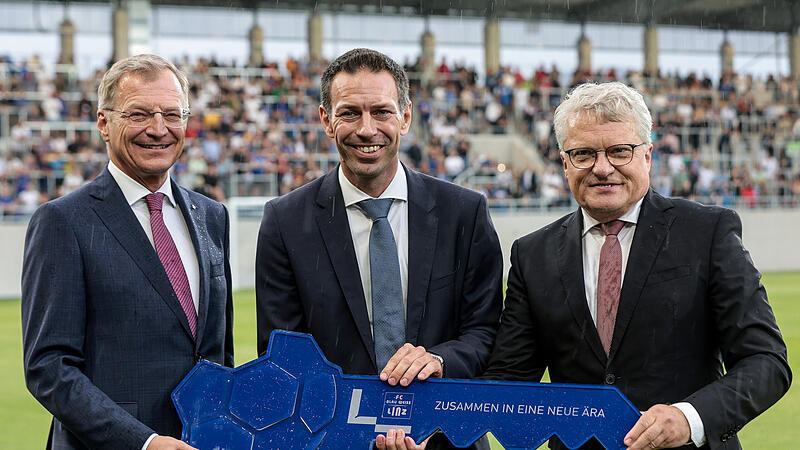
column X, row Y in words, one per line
column 194, row 207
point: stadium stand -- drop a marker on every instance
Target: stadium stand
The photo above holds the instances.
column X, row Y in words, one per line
column 256, row 132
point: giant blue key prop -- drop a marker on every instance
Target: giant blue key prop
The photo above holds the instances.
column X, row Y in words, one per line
column 293, row 398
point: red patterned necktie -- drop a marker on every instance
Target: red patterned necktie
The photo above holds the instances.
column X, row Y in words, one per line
column 171, row 259
column 608, row 282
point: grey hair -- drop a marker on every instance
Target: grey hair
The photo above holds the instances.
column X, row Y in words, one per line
column 146, row 66
column 605, row 102
column 364, row 59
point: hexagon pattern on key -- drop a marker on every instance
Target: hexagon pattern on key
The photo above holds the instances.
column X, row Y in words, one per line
column 293, row 398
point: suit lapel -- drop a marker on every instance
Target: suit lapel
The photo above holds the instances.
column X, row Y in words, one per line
column 113, row 210
column 570, row 264
column 422, row 229
column 651, row 230
column 195, row 222
column 335, row 230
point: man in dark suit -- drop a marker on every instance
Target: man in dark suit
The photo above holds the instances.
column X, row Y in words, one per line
column 653, row 295
column 314, row 263
column 126, row 282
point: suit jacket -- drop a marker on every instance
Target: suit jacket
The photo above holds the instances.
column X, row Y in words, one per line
column 105, row 338
column 691, row 304
column 307, row 277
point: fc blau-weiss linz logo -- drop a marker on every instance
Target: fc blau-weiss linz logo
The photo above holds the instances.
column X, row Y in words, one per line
column 397, row 405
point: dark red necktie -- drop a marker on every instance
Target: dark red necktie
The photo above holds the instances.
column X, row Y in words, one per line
column 171, row 259
column 609, row 276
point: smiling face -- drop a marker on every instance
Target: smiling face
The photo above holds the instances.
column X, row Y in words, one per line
column 144, row 153
column 366, row 123
column 604, row 191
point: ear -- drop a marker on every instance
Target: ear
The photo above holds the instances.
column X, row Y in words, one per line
column 564, row 161
column 648, row 156
column 102, row 125
column 406, row 125
column 326, row 122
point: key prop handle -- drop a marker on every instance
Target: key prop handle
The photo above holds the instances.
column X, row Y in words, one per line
column 293, row 398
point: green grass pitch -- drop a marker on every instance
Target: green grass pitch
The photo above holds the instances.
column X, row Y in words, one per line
column 24, row 423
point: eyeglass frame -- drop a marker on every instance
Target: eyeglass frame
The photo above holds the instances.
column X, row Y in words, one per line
column 596, row 151
column 185, row 113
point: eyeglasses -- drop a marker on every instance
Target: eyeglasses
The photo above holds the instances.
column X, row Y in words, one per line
column 617, row 155
column 137, row 118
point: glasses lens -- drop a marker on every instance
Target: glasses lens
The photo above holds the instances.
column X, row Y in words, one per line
column 172, row 119
column 619, row 155
column 583, row 157
column 138, row 117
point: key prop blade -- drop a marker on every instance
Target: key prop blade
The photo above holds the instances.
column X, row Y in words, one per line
column 292, row 397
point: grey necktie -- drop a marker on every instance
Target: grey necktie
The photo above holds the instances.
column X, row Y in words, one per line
column 388, row 322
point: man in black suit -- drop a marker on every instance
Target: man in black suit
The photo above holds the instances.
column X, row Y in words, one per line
column 653, row 295
column 313, row 264
column 126, row 282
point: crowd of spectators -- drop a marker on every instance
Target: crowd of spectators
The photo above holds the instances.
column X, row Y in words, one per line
column 256, row 131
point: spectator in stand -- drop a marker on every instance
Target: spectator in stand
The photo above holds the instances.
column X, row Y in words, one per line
column 29, row 199
column 8, row 201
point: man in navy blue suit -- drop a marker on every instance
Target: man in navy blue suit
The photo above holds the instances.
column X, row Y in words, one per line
column 315, row 267
column 126, row 281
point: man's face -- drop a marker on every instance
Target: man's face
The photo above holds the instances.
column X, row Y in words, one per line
column 604, row 191
column 366, row 123
column 145, row 151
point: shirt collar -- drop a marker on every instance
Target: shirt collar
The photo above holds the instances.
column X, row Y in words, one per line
column 132, row 190
column 397, row 189
column 632, row 216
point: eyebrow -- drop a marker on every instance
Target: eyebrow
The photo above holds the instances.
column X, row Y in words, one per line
column 372, row 107
column 145, row 108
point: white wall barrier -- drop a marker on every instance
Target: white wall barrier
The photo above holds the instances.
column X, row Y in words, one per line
column 771, row 236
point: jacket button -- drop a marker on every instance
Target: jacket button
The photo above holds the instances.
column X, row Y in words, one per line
column 610, row 378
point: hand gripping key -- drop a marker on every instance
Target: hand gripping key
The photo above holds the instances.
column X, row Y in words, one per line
column 293, row 398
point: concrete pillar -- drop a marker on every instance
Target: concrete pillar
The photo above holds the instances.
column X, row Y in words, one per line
column 256, row 58
column 726, row 56
column 794, row 54
column 651, row 50
column 67, row 32
column 491, row 45
column 139, row 26
column 119, row 26
column 428, row 42
column 314, row 37
column 584, row 54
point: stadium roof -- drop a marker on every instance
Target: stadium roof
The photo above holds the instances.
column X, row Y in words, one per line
column 755, row 15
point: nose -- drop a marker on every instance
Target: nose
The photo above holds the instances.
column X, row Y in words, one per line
column 602, row 166
column 156, row 126
column 367, row 126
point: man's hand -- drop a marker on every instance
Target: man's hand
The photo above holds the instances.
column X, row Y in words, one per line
column 397, row 440
column 410, row 362
column 661, row 426
column 168, row 443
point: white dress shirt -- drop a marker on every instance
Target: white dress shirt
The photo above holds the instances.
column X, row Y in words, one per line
column 135, row 195
column 592, row 240
column 361, row 225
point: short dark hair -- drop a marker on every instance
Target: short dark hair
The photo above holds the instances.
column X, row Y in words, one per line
column 364, row 59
